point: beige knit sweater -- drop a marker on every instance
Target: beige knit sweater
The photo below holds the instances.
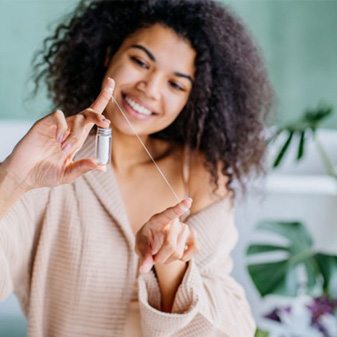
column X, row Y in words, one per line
column 68, row 253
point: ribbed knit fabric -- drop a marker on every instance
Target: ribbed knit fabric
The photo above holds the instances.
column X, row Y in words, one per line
column 68, row 253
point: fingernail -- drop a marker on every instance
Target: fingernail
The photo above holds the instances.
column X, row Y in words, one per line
column 184, row 208
column 112, row 85
column 66, row 148
column 101, row 168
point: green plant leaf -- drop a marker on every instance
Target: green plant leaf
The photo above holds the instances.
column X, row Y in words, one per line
column 274, row 277
column 328, row 266
column 294, row 231
column 261, row 333
column 281, row 276
column 312, row 273
column 262, row 248
column 274, row 136
column 283, row 149
column 310, row 120
column 316, row 116
column 300, row 150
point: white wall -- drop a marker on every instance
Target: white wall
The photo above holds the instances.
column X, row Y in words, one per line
column 12, row 321
column 10, row 133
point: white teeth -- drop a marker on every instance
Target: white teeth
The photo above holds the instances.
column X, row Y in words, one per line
column 135, row 106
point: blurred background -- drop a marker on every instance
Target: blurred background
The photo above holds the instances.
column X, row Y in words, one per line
column 298, row 39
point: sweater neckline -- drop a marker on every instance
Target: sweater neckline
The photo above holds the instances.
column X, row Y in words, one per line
column 105, row 186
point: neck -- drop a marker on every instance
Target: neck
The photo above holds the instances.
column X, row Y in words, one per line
column 128, row 153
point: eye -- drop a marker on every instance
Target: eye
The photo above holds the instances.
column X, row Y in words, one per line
column 176, row 86
column 139, row 62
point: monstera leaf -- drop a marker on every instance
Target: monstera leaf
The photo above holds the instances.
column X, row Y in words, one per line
column 328, row 267
column 281, row 276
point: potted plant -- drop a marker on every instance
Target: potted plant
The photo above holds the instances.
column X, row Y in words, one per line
column 300, row 284
column 304, row 279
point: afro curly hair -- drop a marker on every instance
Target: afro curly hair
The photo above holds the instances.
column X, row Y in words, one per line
column 231, row 96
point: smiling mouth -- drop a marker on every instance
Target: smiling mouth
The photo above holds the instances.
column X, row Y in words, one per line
column 138, row 108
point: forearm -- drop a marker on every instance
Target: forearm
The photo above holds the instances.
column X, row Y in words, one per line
column 10, row 189
column 170, row 277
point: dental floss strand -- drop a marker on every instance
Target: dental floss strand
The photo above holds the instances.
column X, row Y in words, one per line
column 146, row 150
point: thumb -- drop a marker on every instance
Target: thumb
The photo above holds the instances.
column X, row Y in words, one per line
column 146, row 263
column 172, row 213
column 79, row 167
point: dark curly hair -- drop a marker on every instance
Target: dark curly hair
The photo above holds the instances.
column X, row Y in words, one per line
column 230, row 98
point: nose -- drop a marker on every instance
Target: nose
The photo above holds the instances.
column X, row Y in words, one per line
column 151, row 85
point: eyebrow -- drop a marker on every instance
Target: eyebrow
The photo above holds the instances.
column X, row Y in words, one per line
column 151, row 56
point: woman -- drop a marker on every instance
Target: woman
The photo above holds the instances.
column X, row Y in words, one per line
column 94, row 250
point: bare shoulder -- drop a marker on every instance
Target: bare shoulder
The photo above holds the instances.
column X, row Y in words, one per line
column 202, row 189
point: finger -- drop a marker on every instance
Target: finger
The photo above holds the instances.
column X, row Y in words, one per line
column 65, row 136
column 172, row 213
column 92, row 117
column 104, row 96
column 143, row 244
column 157, row 242
column 183, row 240
column 170, row 242
column 77, row 135
column 62, row 125
column 143, row 250
column 81, row 125
column 79, row 167
column 192, row 246
column 75, row 138
column 146, row 264
column 181, row 244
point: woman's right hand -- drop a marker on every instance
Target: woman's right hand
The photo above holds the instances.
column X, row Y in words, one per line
column 44, row 156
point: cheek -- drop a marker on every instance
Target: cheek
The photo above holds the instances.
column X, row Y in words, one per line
column 122, row 73
column 175, row 105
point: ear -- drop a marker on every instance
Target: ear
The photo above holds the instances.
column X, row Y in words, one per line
column 107, row 57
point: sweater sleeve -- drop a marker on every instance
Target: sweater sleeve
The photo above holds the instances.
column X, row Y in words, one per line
column 208, row 302
column 18, row 233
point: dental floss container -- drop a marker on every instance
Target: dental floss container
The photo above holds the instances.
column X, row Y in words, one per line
column 103, row 145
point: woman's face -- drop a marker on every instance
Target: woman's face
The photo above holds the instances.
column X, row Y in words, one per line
column 154, row 74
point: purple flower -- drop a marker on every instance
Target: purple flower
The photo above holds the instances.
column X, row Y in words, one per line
column 275, row 314
column 320, row 306
column 320, row 314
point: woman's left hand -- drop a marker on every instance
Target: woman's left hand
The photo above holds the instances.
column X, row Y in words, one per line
column 164, row 239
